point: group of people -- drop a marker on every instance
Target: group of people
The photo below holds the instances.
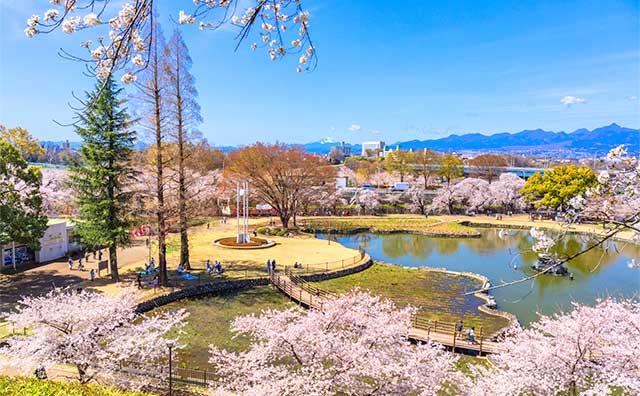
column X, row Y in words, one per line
column 271, row 266
column 151, row 267
column 215, row 269
column 470, row 332
column 85, row 258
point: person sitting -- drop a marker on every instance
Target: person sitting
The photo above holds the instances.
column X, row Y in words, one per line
column 154, row 282
column 471, row 335
column 180, row 269
column 207, row 267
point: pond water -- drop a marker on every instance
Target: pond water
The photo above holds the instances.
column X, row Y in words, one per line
column 600, row 272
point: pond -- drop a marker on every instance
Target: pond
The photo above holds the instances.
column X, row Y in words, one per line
column 506, row 256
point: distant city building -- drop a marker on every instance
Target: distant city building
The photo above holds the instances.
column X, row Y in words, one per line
column 372, row 147
column 346, row 150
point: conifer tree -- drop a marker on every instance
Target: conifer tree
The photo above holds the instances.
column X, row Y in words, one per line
column 185, row 116
column 100, row 177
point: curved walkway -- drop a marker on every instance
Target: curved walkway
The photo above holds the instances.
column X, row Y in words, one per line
column 422, row 330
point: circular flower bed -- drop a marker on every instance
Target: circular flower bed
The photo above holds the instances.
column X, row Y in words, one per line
column 256, row 243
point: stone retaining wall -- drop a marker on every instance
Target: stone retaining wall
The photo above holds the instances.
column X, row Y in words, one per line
column 339, row 273
column 200, row 290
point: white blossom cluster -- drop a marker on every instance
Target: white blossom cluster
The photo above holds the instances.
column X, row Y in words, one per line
column 123, row 42
column 542, row 242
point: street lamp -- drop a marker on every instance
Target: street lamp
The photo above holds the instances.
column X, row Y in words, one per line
column 170, row 344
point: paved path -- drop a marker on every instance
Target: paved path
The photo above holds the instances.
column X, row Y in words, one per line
column 422, row 330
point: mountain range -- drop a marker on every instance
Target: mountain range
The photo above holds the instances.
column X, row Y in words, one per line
column 537, row 141
column 581, row 141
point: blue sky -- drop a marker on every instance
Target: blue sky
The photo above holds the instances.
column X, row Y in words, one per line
column 389, row 70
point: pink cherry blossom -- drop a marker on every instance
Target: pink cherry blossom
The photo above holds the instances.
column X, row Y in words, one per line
column 96, row 333
column 357, row 345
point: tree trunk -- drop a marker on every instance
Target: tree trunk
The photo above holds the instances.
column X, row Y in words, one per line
column 113, row 263
column 285, row 220
column 160, row 213
column 182, row 199
column 113, row 257
column 82, row 373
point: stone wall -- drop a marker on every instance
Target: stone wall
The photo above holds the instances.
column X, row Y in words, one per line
column 199, row 291
column 339, row 273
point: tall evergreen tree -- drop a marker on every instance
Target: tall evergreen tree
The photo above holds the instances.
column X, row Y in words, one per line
column 100, row 177
column 185, row 116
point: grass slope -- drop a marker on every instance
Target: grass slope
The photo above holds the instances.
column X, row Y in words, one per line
column 210, row 318
column 388, row 224
column 438, row 295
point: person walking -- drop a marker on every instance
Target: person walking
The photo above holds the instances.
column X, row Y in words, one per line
column 273, row 266
column 94, row 253
column 268, row 266
column 70, row 263
column 92, row 274
column 99, row 255
column 139, row 281
column 80, row 264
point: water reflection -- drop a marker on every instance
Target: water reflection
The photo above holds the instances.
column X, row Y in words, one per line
column 507, row 256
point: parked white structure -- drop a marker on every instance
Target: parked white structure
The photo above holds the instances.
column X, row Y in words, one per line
column 54, row 244
column 367, row 147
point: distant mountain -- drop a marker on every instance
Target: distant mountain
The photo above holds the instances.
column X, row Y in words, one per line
column 582, row 140
column 536, row 141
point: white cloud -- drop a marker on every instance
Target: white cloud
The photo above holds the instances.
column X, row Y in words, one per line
column 375, row 131
column 569, row 100
column 355, row 127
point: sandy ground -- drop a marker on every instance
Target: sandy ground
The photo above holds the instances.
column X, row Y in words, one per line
column 307, row 250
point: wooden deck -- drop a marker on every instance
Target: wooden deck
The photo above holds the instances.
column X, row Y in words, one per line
column 422, row 329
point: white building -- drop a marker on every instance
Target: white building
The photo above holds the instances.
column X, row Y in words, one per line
column 54, row 244
column 377, row 146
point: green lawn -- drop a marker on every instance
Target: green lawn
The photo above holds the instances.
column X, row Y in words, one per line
column 210, row 318
column 388, row 224
column 18, row 386
column 438, row 295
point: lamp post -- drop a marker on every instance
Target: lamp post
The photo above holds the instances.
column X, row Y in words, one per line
column 170, row 345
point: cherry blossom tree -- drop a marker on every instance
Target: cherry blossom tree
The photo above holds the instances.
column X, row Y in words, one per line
column 473, row 194
column 96, row 333
column 418, row 197
column 366, row 200
column 122, row 34
column 357, row 345
column 588, row 351
column 55, row 192
column 505, row 192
